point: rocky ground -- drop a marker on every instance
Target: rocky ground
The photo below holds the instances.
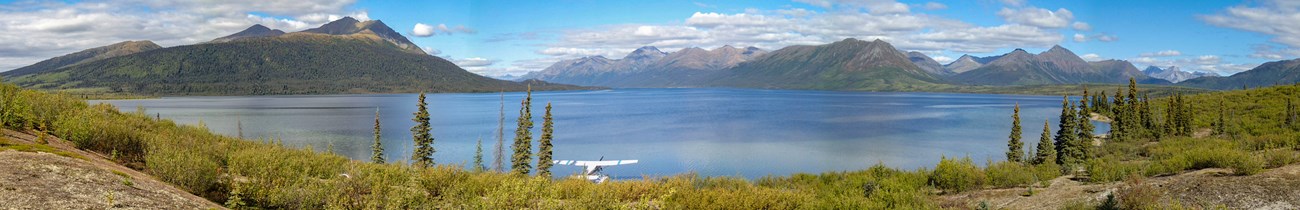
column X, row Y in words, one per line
column 1277, row 188
column 75, row 179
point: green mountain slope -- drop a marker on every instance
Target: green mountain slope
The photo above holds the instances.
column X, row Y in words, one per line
column 84, row 56
column 294, row 63
column 849, row 64
column 1267, row 74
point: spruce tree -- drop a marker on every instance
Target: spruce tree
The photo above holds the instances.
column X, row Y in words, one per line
column 377, row 149
column 1117, row 119
column 1101, row 103
column 1015, row 146
column 1046, row 149
column 1289, row 115
column 478, row 156
column 544, row 145
column 498, row 155
column 1066, row 131
column 1219, row 125
column 1084, row 139
column 1148, row 119
column 1083, row 105
column 1171, row 117
column 423, row 155
column 1185, row 116
column 523, row 147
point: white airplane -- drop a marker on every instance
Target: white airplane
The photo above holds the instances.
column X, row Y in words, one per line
column 594, row 167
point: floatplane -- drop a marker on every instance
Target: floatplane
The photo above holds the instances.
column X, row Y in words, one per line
column 594, row 168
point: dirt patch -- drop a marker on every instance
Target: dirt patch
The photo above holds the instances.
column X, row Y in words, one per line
column 1062, row 190
column 40, row 180
column 1277, row 188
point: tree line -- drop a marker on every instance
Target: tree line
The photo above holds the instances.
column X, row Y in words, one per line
column 522, row 146
column 1130, row 116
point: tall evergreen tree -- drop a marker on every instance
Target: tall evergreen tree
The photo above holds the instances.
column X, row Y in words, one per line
column 523, row 147
column 1084, row 139
column 377, row 149
column 1219, row 125
column 478, row 156
column 1289, row 116
column 544, row 145
column 1101, row 104
column 1118, row 129
column 1015, row 146
column 1046, row 149
column 423, row 155
column 1084, row 105
column 1185, row 116
column 498, row 156
column 1066, row 132
column 1171, row 117
column 1149, row 126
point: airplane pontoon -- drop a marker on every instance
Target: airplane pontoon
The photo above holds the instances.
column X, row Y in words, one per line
column 594, row 168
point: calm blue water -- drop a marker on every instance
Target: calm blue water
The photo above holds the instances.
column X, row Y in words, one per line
column 731, row 132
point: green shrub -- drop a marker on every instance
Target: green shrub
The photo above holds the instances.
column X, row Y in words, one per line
column 955, row 175
column 1279, row 157
column 1009, row 174
column 1046, row 172
column 1109, row 169
column 1180, row 154
column 1137, row 195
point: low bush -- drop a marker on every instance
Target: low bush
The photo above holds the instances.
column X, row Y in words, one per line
column 1110, row 169
column 954, row 175
column 1010, row 174
column 1137, row 195
column 1279, row 157
column 1180, row 154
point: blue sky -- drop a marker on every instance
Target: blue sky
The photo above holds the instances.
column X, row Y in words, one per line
column 514, row 37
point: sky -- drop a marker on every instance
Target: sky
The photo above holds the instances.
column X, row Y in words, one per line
column 496, row 38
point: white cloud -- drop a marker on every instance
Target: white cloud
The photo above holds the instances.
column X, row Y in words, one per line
column 934, row 6
column 1091, row 57
column 473, row 62
column 1203, row 63
column 1275, row 18
column 1106, row 38
column 1038, row 17
column 431, row 51
column 943, row 59
column 1082, row 26
column 422, row 30
column 34, row 31
column 426, row 30
column 780, row 28
column 1015, row 3
column 1165, row 53
column 716, row 19
column 873, row 6
column 1080, row 38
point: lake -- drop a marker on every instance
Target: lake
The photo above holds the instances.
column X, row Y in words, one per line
column 716, row 132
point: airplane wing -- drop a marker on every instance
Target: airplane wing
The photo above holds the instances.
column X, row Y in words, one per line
column 594, row 163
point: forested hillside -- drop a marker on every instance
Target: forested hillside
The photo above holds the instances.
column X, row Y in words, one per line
column 290, row 64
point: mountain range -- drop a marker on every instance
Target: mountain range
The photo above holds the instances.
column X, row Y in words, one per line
column 1267, row 74
column 351, row 56
column 647, row 67
column 343, row 56
column 849, row 64
column 1173, row 74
